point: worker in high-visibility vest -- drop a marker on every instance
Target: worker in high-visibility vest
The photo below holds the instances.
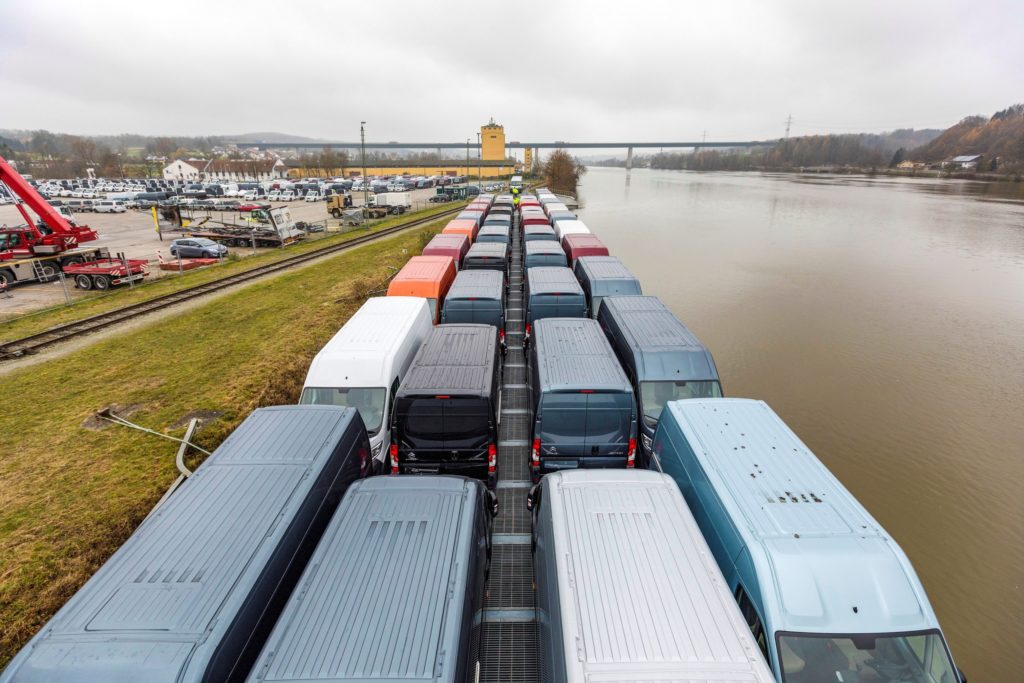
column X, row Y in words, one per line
column 515, row 197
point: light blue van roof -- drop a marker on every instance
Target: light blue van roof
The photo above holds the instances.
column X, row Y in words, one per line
column 552, row 280
column 477, row 284
column 663, row 347
column 819, row 554
column 610, row 270
column 544, row 247
column 574, row 354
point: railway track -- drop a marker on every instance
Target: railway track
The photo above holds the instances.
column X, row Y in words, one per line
column 55, row 335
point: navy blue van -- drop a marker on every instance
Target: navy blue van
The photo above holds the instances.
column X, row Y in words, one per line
column 552, row 292
column 584, row 411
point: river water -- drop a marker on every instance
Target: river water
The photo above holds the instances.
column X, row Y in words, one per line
column 883, row 319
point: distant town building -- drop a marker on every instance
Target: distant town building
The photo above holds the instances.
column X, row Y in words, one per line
column 965, row 162
column 908, row 165
column 201, row 170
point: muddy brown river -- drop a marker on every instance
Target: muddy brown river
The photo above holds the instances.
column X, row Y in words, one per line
column 883, row 319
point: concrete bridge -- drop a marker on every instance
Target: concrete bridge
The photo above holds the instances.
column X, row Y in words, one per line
column 557, row 144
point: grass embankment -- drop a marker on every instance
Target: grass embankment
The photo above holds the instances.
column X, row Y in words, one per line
column 70, row 495
column 100, row 303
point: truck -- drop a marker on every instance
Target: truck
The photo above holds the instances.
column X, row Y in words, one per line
column 337, row 203
column 259, row 227
column 395, row 202
column 50, row 243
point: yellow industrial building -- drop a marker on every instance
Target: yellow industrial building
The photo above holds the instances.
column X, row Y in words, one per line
column 489, row 160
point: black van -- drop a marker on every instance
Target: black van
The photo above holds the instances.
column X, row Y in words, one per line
column 476, row 296
column 487, row 256
column 445, row 417
column 585, row 412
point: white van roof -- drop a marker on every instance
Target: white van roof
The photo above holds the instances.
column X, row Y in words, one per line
column 358, row 355
column 642, row 598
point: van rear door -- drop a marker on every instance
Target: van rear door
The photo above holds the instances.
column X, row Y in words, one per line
column 592, row 429
column 444, row 429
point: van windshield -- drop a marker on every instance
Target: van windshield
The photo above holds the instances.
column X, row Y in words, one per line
column 368, row 401
column 807, row 658
column 654, row 395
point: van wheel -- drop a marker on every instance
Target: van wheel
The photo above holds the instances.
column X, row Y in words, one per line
column 336, row 213
column 101, row 282
column 83, row 282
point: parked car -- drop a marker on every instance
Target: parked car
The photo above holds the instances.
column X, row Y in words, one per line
column 108, row 206
column 198, row 247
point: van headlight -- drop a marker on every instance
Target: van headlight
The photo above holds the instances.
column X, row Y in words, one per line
column 646, row 441
column 376, row 449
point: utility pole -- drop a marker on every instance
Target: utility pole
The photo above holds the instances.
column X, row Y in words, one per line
column 789, row 122
column 479, row 160
column 362, row 151
column 467, row 160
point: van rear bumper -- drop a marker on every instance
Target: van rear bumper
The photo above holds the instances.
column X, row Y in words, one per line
column 473, row 470
column 557, row 464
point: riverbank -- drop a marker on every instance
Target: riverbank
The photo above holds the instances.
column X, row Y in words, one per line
column 73, row 488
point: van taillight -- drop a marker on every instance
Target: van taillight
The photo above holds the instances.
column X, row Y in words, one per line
column 394, row 458
column 535, row 454
column 527, row 328
column 492, row 459
column 631, row 454
column 501, row 335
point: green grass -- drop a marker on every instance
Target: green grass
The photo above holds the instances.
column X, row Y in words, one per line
column 69, row 495
column 100, row 303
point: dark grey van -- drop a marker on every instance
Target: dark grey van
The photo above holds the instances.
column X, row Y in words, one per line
column 499, row 219
column 539, row 233
column 602, row 276
column 193, row 593
column 552, row 292
column 544, row 253
column 494, row 233
column 487, row 256
column 445, row 417
column 394, row 591
column 476, row 296
column 584, row 411
column 662, row 358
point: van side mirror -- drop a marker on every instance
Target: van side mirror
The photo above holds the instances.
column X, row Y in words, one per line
column 492, row 502
column 533, row 497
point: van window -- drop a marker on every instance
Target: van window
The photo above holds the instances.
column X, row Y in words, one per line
column 563, row 418
column 580, row 419
column 368, row 401
column 753, row 621
column 445, row 422
column 906, row 657
column 432, row 303
column 654, row 395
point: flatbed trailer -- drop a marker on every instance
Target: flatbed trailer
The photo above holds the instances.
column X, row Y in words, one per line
column 89, row 262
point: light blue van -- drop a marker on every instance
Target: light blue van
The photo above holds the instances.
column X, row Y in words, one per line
column 828, row 594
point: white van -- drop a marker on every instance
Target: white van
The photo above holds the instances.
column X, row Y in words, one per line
column 363, row 365
column 108, row 206
column 565, row 227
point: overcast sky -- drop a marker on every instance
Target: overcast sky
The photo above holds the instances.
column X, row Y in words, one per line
column 432, row 70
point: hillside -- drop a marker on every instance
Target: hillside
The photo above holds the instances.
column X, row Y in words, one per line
column 1001, row 136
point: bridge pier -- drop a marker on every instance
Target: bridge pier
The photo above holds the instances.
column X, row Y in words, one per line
column 629, row 158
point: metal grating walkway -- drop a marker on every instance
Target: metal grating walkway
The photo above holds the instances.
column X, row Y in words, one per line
column 508, row 638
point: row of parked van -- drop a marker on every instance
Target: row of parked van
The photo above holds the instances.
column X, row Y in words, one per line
column 729, row 552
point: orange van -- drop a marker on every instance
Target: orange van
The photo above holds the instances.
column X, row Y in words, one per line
column 429, row 277
column 462, row 226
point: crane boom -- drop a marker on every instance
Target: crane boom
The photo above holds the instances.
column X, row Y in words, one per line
column 63, row 235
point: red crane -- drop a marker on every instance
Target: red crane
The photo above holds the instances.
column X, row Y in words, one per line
column 51, row 234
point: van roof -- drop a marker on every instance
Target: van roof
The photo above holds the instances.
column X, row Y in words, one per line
column 421, row 275
column 544, row 247
column 162, row 606
column 416, row 532
column 460, row 225
column 477, row 284
column 552, row 280
column 574, row 354
column 538, row 228
column 604, row 268
column 583, row 241
column 358, row 354
column 663, row 347
column 676, row 620
column 493, row 229
column 488, row 249
column 817, row 551
column 453, row 359
column 450, row 241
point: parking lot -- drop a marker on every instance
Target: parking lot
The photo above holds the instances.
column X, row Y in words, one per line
column 134, row 234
